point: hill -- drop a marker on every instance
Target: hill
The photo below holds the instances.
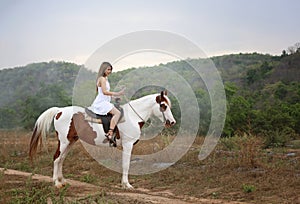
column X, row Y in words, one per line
column 263, row 91
column 21, row 82
column 34, row 87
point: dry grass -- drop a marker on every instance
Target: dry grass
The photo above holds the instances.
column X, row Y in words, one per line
column 238, row 169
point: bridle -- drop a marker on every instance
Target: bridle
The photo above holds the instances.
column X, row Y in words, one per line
column 161, row 108
column 136, row 113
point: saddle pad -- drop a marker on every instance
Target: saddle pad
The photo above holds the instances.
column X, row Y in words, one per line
column 92, row 114
column 105, row 119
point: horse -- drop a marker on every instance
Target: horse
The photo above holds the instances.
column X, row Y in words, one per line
column 70, row 125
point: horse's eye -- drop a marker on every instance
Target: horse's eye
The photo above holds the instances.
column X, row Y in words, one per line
column 163, row 107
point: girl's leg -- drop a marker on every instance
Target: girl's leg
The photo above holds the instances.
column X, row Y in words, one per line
column 116, row 116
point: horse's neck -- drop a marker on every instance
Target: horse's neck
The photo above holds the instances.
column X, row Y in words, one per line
column 143, row 106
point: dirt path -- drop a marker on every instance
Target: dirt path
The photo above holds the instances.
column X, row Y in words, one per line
column 140, row 194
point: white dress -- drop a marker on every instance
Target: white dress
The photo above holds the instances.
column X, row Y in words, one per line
column 102, row 104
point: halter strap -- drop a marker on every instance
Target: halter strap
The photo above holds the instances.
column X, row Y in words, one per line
column 163, row 113
column 128, row 101
column 164, row 117
column 136, row 112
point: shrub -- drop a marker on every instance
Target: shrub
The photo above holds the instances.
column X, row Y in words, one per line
column 247, row 149
column 278, row 137
column 248, row 188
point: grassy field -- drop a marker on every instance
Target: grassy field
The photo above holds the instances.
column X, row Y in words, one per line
column 239, row 169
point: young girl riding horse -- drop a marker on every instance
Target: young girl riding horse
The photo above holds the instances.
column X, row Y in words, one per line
column 102, row 104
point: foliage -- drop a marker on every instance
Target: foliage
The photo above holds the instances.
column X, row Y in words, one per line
column 246, row 149
column 8, row 117
column 28, row 91
column 262, row 91
column 46, row 97
column 257, row 74
column 248, row 188
column 88, row 178
column 38, row 194
column 238, row 110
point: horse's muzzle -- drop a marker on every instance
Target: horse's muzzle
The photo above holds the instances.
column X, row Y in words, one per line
column 169, row 124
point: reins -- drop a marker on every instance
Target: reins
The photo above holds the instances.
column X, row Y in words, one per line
column 136, row 112
column 147, row 123
column 128, row 101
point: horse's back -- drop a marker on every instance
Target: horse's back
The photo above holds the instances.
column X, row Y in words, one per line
column 63, row 118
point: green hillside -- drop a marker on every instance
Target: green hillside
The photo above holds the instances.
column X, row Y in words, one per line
column 20, row 82
column 263, row 92
column 26, row 91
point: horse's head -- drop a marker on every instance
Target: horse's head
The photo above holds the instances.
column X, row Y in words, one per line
column 163, row 109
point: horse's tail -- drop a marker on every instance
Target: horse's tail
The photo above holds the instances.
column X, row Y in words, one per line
column 41, row 128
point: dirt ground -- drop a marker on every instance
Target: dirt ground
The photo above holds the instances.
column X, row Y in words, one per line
column 239, row 170
column 80, row 190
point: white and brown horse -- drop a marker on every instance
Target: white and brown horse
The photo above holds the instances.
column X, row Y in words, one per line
column 70, row 125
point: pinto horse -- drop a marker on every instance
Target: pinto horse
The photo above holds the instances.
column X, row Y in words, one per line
column 70, row 125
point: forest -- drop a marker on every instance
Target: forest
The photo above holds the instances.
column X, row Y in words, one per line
column 262, row 92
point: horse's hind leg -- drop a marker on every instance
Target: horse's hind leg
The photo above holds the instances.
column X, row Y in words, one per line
column 59, row 157
column 56, row 159
column 57, row 171
column 60, row 166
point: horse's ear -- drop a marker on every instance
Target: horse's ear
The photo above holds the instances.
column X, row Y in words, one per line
column 161, row 98
column 158, row 99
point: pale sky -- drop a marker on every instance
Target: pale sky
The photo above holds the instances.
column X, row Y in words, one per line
column 72, row 30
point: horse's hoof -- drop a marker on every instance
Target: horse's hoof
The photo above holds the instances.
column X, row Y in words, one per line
column 64, row 184
column 60, row 185
column 127, row 186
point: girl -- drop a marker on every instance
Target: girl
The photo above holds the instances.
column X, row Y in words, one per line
column 102, row 104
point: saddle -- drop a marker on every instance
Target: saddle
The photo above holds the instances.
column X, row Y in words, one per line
column 90, row 116
column 100, row 119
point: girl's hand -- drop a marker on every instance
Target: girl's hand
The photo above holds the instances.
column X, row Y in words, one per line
column 122, row 92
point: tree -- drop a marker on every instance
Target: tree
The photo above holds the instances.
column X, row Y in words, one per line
column 8, row 118
column 47, row 96
column 284, row 53
column 294, row 49
column 238, row 109
column 252, row 76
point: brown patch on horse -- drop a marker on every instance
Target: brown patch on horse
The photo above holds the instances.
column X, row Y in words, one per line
column 57, row 153
column 80, row 128
column 161, row 98
column 141, row 124
column 58, row 115
column 72, row 134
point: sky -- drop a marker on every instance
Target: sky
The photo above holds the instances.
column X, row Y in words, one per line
column 72, row 30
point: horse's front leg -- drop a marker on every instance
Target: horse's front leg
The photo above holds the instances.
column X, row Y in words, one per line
column 126, row 155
